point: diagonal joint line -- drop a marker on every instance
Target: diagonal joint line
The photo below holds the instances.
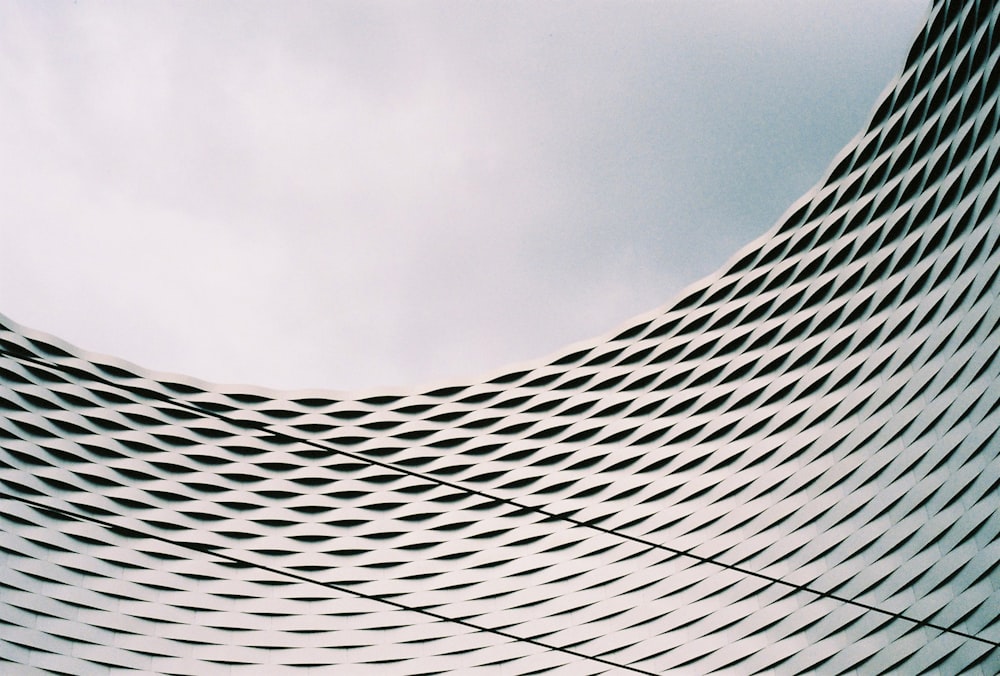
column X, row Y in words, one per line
column 278, row 431
column 211, row 551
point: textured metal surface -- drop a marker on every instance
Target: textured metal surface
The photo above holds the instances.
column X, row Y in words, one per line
column 791, row 468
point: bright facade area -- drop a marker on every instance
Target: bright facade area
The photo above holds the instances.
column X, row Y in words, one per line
column 791, row 468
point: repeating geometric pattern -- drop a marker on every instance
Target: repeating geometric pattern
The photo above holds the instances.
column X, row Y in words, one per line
column 791, row 468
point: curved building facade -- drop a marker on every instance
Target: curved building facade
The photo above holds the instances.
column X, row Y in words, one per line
column 792, row 468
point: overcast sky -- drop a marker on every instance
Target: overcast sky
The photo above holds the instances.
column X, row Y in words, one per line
column 356, row 194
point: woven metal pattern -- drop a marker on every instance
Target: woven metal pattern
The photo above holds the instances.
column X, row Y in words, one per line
column 791, row 468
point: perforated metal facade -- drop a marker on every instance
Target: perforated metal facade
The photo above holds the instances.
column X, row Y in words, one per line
column 791, row 468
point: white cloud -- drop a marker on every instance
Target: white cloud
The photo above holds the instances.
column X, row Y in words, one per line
column 350, row 194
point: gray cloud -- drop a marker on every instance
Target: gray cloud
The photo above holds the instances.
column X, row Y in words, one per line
column 353, row 194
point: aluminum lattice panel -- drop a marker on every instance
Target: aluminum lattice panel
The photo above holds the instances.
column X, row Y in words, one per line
column 791, row 468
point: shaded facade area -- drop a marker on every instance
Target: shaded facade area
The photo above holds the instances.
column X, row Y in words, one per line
column 791, row 468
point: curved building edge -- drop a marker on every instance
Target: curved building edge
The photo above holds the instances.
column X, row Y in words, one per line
column 791, row 468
